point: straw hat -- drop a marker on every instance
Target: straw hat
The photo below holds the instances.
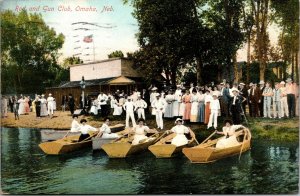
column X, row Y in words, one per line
column 154, row 89
column 235, row 89
column 289, row 80
column 242, row 84
column 261, row 82
column 282, row 82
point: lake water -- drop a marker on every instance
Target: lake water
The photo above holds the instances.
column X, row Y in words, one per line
column 268, row 168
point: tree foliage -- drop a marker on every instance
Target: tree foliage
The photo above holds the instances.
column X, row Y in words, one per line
column 116, row 54
column 29, row 50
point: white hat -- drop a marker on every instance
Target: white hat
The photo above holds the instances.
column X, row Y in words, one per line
column 178, row 119
column 214, row 94
column 154, row 89
column 178, row 86
column 235, row 89
column 157, row 95
column 282, row 82
column 50, row 94
column 289, row 80
column 251, row 84
column 221, row 83
column 242, row 84
column 261, row 82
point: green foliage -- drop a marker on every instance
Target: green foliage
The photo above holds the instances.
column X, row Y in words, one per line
column 29, row 50
column 116, row 54
column 72, row 61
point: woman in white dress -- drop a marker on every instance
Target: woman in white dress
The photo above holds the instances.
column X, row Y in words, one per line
column 180, row 139
column 75, row 126
column 229, row 138
column 194, row 108
column 105, row 131
column 115, row 105
column 169, row 107
column 44, row 111
column 177, row 100
column 140, row 131
column 182, row 105
column 21, row 102
column 94, row 108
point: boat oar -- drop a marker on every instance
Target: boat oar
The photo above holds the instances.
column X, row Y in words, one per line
column 195, row 137
column 209, row 137
column 90, row 136
column 242, row 145
column 162, row 135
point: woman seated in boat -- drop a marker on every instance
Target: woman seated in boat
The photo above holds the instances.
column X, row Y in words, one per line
column 75, row 126
column 180, row 139
column 84, row 129
column 105, row 131
column 230, row 138
column 140, row 131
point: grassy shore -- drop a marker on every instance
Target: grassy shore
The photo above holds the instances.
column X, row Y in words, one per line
column 269, row 129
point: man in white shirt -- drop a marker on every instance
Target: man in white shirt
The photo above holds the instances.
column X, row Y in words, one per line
column 214, row 111
column 159, row 105
column 140, row 106
column 102, row 101
column 129, row 108
column 50, row 101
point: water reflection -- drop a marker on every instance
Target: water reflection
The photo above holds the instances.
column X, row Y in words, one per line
column 269, row 168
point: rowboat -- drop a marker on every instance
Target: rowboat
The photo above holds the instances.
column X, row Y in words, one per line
column 208, row 152
column 122, row 147
column 98, row 142
column 66, row 145
column 164, row 149
column 51, row 135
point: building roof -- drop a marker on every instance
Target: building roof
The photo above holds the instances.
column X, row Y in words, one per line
column 96, row 62
column 121, row 80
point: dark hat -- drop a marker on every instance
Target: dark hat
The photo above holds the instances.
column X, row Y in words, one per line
column 82, row 120
column 141, row 119
column 228, row 121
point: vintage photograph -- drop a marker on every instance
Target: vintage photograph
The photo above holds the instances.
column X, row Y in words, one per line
column 139, row 97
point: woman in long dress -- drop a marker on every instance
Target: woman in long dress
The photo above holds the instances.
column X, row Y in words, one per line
column 194, row 108
column 180, row 139
column 117, row 108
column 44, row 111
column 207, row 100
column 94, row 108
column 140, row 131
column 26, row 105
column 187, row 101
column 169, row 108
column 201, row 114
column 21, row 102
column 176, row 102
column 105, row 131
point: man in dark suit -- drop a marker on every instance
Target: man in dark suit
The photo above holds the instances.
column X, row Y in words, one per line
column 244, row 94
column 255, row 99
column 261, row 103
column 71, row 104
column 236, row 106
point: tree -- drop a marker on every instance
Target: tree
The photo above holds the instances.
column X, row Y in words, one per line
column 286, row 15
column 262, row 20
column 116, row 54
column 29, row 51
column 72, row 61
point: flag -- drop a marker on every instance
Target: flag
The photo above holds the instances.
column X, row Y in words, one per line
column 88, row 39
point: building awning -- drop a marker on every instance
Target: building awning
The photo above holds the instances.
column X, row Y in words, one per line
column 121, row 80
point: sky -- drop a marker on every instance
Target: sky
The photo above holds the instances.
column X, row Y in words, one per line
column 115, row 27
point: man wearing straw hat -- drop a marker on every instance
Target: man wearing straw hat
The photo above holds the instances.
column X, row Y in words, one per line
column 236, row 107
column 283, row 100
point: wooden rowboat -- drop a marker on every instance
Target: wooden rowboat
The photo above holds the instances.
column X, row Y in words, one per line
column 122, row 147
column 164, row 149
column 65, row 145
column 51, row 135
column 207, row 152
column 98, row 142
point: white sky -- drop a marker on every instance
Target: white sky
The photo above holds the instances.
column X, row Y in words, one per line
column 119, row 36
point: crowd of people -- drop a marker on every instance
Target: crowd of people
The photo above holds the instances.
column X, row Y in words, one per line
column 198, row 104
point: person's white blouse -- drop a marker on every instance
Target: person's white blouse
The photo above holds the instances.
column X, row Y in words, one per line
column 86, row 128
